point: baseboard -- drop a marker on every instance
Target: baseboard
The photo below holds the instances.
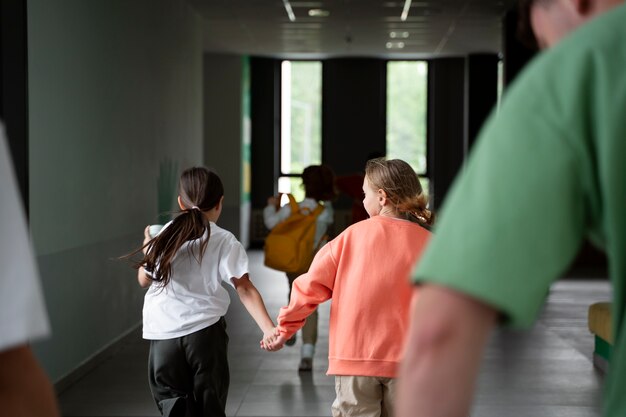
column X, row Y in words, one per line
column 600, row 363
column 94, row 360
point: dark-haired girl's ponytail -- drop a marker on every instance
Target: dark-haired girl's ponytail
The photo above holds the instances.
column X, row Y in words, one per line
column 191, row 224
column 198, row 186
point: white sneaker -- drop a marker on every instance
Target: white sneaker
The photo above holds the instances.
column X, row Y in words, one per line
column 307, row 350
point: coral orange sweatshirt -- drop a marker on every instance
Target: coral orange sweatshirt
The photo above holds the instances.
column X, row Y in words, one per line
column 365, row 270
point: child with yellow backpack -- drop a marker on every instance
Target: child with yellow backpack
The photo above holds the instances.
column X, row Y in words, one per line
column 318, row 182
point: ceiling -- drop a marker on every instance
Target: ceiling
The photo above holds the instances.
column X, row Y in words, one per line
column 432, row 28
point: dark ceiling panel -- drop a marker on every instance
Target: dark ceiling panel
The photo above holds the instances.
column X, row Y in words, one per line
column 353, row 27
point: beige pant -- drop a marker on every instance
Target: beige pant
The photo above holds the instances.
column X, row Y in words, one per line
column 309, row 331
column 364, row 396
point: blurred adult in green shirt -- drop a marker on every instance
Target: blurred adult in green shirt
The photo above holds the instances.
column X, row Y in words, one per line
column 547, row 171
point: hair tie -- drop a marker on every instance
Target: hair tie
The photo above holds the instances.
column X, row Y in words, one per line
column 195, row 208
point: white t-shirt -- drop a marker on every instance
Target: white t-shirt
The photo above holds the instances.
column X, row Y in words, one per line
column 22, row 310
column 271, row 216
column 194, row 298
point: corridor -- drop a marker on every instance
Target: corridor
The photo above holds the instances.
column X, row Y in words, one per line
column 546, row 371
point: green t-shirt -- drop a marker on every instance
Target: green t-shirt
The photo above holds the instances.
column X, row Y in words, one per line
column 547, row 171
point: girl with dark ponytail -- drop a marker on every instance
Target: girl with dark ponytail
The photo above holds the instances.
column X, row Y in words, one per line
column 183, row 314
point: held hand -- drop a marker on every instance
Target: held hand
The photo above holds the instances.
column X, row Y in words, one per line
column 269, row 335
column 273, row 341
column 279, row 342
column 268, row 339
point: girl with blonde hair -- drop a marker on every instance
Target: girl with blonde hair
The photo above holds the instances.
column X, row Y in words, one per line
column 365, row 270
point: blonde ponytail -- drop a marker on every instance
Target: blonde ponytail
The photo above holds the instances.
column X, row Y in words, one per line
column 402, row 187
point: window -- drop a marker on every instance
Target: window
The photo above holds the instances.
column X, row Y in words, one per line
column 301, row 122
column 407, row 86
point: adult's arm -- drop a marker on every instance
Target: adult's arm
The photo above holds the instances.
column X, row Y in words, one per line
column 444, row 348
column 25, row 390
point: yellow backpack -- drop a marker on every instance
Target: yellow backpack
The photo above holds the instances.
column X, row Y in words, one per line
column 290, row 244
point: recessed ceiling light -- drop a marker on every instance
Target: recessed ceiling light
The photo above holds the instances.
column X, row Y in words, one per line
column 394, row 45
column 399, row 35
column 319, row 13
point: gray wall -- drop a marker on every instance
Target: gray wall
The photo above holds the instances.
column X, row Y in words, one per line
column 223, row 135
column 115, row 98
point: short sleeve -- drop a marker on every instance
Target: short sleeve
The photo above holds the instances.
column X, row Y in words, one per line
column 22, row 310
column 233, row 260
column 514, row 218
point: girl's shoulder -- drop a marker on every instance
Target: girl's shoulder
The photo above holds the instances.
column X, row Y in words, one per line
column 385, row 221
column 310, row 203
column 218, row 231
column 222, row 235
column 359, row 227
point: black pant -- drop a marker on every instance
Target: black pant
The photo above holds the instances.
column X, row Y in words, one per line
column 189, row 375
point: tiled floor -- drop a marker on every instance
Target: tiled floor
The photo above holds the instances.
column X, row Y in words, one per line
column 545, row 372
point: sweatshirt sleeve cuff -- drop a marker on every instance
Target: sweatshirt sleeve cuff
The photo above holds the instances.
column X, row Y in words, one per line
column 284, row 331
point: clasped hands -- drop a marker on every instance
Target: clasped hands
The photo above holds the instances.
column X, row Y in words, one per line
column 273, row 341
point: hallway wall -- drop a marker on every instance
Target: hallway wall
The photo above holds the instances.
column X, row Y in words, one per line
column 227, row 136
column 115, row 106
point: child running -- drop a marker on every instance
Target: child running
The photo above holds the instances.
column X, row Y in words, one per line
column 365, row 271
column 183, row 313
column 318, row 182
